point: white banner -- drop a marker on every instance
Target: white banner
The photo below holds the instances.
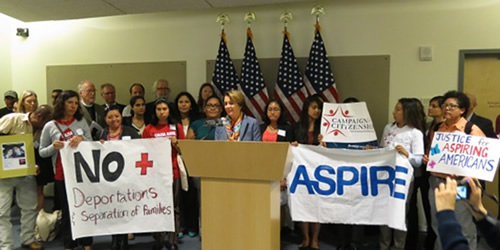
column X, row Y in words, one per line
column 119, row 186
column 464, row 155
column 349, row 186
column 347, row 123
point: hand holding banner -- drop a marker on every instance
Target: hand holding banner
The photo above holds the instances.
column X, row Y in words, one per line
column 464, row 155
column 119, row 187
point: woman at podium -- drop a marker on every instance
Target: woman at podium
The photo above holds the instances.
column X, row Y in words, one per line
column 237, row 126
column 307, row 131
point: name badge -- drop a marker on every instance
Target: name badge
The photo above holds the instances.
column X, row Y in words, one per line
column 173, row 127
column 79, row 131
column 126, row 138
column 281, row 132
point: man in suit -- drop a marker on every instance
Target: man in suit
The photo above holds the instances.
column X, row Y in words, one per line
column 161, row 90
column 483, row 123
column 91, row 111
column 108, row 94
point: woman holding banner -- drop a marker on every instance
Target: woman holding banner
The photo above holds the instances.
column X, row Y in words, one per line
column 406, row 136
column 116, row 131
column 455, row 108
column 307, row 131
column 238, row 126
column 162, row 125
column 68, row 125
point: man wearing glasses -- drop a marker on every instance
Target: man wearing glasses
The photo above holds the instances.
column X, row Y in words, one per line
column 93, row 113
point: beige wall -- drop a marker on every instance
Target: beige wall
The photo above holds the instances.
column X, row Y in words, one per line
column 357, row 27
column 7, row 33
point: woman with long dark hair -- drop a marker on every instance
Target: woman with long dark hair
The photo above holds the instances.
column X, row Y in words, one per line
column 206, row 90
column 307, row 131
column 186, row 110
column 68, row 125
column 406, row 136
column 163, row 125
column 137, row 111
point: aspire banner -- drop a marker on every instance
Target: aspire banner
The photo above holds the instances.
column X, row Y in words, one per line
column 367, row 187
column 118, row 187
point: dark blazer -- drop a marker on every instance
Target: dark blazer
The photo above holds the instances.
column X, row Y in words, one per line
column 498, row 125
column 484, row 124
column 127, row 131
column 285, row 127
column 99, row 115
column 249, row 130
column 301, row 135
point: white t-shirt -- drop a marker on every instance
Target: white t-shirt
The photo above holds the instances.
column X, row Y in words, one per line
column 411, row 139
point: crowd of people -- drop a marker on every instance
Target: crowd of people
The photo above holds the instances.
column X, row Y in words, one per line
column 74, row 116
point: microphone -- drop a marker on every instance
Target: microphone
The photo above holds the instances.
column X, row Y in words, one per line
column 215, row 123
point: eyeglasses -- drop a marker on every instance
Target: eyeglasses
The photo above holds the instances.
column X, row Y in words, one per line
column 212, row 106
column 163, row 89
column 450, row 106
column 273, row 109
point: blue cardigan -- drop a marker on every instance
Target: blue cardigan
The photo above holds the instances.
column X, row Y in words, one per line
column 249, row 130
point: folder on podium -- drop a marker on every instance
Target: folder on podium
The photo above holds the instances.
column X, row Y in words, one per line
column 240, row 191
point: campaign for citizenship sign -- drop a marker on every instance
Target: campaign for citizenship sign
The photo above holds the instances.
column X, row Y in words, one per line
column 119, row 187
column 347, row 123
column 368, row 187
column 464, row 155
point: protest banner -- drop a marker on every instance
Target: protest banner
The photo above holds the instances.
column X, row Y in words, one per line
column 119, row 187
column 464, row 155
column 368, row 187
column 18, row 156
column 348, row 125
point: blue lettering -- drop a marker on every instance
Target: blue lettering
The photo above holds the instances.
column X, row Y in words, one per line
column 364, row 181
column 322, row 179
column 375, row 181
column 343, row 182
column 301, row 171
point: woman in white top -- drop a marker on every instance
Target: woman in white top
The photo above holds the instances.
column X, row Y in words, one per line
column 406, row 136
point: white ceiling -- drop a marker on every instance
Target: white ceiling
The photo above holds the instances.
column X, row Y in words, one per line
column 44, row 10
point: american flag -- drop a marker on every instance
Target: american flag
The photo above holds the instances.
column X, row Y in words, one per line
column 252, row 83
column 224, row 77
column 290, row 88
column 318, row 71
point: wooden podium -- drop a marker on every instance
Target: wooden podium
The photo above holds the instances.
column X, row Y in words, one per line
column 240, row 191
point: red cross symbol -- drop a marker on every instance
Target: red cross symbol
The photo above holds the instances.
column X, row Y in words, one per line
column 144, row 164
